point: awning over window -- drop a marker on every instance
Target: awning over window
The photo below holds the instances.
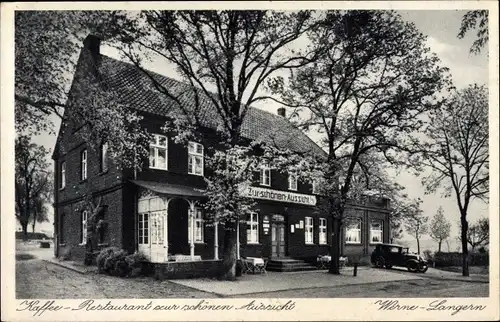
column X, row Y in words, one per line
column 170, row 189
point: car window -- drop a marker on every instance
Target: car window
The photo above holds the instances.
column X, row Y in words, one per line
column 394, row 250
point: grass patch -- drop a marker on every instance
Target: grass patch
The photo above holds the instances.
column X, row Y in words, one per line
column 24, row 257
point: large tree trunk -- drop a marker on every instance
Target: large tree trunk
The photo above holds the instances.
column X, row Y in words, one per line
column 335, row 247
column 465, row 252
column 418, row 245
column 33, row 226
column 439, row 246
column 24, row 226
column 229, row 255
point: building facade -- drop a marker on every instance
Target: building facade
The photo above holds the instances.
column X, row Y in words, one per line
column 158, row 210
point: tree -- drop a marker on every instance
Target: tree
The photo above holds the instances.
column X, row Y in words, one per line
column 416, row 225
column 31, row 179
column 478, row 233
column 469, row 22
column 40, row 203
column 401, row 209
column 373, row 79
column 456, row 150
column 225, row 57
column 440, row 227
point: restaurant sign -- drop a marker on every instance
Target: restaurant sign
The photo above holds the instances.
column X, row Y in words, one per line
column 282, row 196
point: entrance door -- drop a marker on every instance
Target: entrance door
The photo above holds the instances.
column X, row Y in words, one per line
column 152, row 236
column 278, row 244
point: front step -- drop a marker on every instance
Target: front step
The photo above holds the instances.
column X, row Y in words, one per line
column 289, row 265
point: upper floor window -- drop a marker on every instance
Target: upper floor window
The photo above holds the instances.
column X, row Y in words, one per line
column 308, row 230
column 322, row 231
column 265, row 175
column 84, row 226
column 83, row 165
column 195, row 158
column 253, row 228
column 104, row 157
column 353, row 232
column 376, row 231
column 158, row 152
column 198, row 226
column 315, row 186
column 292, row 181
column 62, row 182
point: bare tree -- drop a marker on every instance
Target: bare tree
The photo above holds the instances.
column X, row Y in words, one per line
column 224, row 57
column 365, row 94
column 457, row 153
column 416, row 225
column 440, row 227
column 478, row 233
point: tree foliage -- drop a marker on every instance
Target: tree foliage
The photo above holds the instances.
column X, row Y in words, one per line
column 478, row 233
column 475, row 19
column 440, row 227
column 32, row 180
column 457, row 152
column 365, row 94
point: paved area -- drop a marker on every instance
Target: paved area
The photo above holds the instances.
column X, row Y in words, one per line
column 277, row 281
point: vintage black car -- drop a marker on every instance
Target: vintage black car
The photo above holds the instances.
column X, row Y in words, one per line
column 388, row 255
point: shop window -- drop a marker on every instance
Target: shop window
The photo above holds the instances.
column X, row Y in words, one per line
column 195, row 158
column 198, row 226
column 309, row 230
column 322, row 231
column 353, row 232
column 253, row 229
column 158, row 152
column 376, row 231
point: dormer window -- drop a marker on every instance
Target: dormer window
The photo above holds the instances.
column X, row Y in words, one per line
column 265, row 175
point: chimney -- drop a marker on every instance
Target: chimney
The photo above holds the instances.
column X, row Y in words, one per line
column 282, row 111
column 93, row 44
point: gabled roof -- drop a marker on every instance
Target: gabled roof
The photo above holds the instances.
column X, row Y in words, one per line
column 135, row 88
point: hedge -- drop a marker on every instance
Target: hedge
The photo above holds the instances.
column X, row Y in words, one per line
column 443, row 259
column 117, row 262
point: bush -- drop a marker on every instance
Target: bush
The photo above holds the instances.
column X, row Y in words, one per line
column 117, row 262
column 455, row 259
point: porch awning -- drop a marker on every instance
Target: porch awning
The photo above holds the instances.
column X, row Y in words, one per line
column 170, row 189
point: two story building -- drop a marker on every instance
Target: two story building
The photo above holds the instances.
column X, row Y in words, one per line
column 157, row 211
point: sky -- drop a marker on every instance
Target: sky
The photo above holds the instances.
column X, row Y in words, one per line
column 441, row 27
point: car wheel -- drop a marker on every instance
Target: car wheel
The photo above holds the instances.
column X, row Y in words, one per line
column 424, row 269
column 379, row 262
column 412, row 267
column 388, row 266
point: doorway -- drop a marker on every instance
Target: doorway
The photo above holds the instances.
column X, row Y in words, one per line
column 278, row 240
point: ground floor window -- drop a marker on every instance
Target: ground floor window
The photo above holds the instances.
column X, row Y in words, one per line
column 353, row 232
column 376, row 231
column 253, row 228
column 308, row 230
column 157, row 229
column 198, row 226
column 143, row 228
column 322, row 231
column 84, row 226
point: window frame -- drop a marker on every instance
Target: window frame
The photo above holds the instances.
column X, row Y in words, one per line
column 379, row 231
column 253, row 225
column 62, row 175
column 323, row 230
column 143, row 232
column 83, row 224
column 262, row 175
column 309, row 226
column 198, row 218
column 83, row 165
column 359, row 230
column 156, row 147
column 292, row 178
column 103, row 165
column 193, row 155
